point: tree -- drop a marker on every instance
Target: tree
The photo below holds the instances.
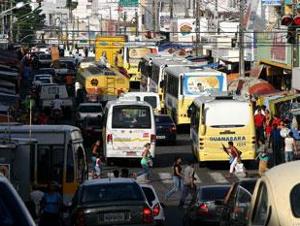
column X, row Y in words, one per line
column 28, row 22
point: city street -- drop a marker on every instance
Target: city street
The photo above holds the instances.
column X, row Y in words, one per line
column 162, row 175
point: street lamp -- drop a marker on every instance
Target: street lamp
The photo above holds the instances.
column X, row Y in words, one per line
column 17, row 6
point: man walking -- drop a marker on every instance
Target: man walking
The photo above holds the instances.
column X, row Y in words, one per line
column 259, row 121
column 277, row 143
column 188, row 183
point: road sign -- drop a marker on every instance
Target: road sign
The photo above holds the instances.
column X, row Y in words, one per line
column 128, row 3
column 271, row 2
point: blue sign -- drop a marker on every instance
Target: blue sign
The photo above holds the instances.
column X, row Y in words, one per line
column 271, row 2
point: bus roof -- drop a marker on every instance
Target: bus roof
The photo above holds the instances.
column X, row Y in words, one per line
column 140, row 44
column 152, row 56
column 126, row 101
column 220, row 98
column 191, row 69
column 36, row 128
column 171, row 60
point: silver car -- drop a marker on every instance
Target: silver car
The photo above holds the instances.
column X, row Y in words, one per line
column 91, row 110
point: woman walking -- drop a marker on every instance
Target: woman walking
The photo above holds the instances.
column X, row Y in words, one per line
column 146, row 162
column 177, row 178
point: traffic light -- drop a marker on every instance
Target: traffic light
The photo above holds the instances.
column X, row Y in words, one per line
column 293, row 23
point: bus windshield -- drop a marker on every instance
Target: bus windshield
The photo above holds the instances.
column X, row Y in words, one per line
column 131, row 116
column 227, row 114
column 197, row 85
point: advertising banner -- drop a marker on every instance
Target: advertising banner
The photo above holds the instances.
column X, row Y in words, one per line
column 196, row 85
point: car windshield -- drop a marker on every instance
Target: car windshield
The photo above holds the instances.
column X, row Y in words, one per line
column 133, row 116
column 43, row 79
column 163, row 119
column 211, row 194
column 103, row 193
column 90, row 109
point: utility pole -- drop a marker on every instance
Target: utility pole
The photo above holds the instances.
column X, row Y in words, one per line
column 154, row 16
column 295, row 45
column 136, row 24
column 11, row 23
column 198, row 18
column 216, row 17
column 241, row 39
column 171, row 9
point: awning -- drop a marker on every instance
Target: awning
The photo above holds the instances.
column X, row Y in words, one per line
column 276, row 64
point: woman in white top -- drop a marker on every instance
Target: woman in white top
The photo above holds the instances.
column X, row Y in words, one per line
column 289, row 147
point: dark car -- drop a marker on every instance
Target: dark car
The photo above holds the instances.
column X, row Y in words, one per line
column 237, row 203
column 49, row 71
column 91, row 129
column 44, row 60
column 165, row 129
column 111, row 201
column 207, row 207
column 12, row 209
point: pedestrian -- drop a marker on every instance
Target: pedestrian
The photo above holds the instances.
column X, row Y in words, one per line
column 98, row 167
column 177, row 178
column 36, row 196
column 263, row 157
column 277, row 143
column 96, row 149
column 234, row 156
column 86, row 52
column 103, row 60
column 146, row 162
column 259, row 122
column 289, row 147
column 268, row 124
column 116, row 173
column 51, row 207
column 188, row 183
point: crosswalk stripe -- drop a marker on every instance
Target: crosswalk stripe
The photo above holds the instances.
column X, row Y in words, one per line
column 218, row 177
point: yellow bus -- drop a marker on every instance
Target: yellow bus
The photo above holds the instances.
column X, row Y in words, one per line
column 98, row 81
column 129, row 58
column 110, row 45
column 184, row 83
column 59, row 155
column 216, row 120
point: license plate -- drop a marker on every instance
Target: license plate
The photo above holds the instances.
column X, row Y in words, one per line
column 113, row 217
column 131, row 153
column 160, row 137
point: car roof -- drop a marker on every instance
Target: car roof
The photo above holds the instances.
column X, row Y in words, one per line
column 42, row 75
column 214, row 186
column 108, row 181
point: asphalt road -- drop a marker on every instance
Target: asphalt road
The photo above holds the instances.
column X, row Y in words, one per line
column 161, row 177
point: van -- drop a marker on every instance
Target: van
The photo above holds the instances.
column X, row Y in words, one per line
column 276, row 197
column 149, row 97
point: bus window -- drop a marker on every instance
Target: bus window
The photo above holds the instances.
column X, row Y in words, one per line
column 50, row 163
column 80, row 164
column 151, row 100
column 70, row 165
column 131, row 117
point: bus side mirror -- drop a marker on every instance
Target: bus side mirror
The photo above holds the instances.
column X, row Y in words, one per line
column 202, row 129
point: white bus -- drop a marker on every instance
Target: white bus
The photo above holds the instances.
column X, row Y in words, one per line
column 184, row 83
column 145, row 68
column 127, row 126
column 159, row 66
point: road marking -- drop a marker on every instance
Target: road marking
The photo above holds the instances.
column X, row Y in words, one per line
column 166, row 178
column 218, row 177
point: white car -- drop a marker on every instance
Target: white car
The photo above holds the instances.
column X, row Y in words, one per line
column 154, row 203
column 41, row 79
column 88, row 110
